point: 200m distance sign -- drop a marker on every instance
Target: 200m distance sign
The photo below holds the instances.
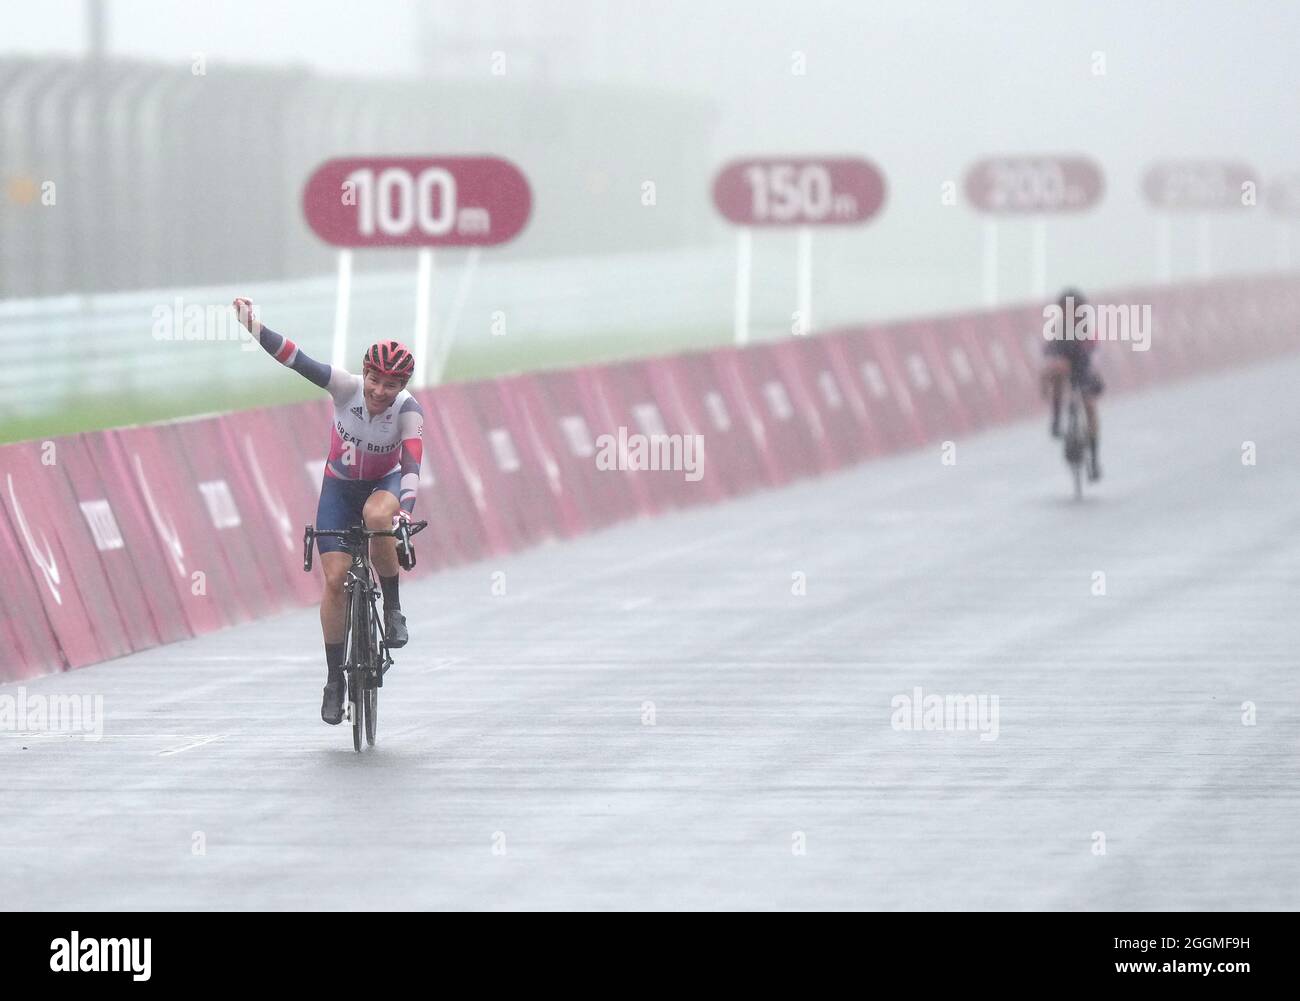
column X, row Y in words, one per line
column 1032, row 185
column 799, row 191
column 452, row 201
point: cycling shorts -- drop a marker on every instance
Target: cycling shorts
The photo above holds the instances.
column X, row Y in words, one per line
column 1082, row 374
column 342, row 501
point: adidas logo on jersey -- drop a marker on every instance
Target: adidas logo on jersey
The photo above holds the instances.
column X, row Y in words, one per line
column 358, row 412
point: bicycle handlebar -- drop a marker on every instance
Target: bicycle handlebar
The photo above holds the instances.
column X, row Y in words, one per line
column 402, row 533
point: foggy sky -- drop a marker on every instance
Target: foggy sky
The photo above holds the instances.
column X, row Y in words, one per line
column 923, row 89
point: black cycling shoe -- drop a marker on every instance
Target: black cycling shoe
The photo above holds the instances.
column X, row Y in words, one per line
column 395, row 634
column 331, row 706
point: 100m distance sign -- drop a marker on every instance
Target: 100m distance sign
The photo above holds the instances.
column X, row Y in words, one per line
column 417, row 201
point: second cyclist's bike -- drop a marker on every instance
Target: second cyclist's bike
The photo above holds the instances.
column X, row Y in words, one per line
column 1076, row 436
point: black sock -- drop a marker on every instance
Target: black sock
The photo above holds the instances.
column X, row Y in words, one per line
column 334, row 660
column 389, row 584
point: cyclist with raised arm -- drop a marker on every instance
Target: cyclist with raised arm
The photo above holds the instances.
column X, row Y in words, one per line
column 371, row 477
column 1068, row 354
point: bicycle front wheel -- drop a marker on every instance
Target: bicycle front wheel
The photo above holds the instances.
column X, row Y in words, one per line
column 371, row 691
column 355, row 688
column 371, row 699
column 358, row 662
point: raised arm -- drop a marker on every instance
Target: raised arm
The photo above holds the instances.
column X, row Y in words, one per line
column 337, row 382
column 410, row 424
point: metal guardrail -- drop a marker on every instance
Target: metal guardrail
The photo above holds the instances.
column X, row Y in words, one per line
column 172, row 341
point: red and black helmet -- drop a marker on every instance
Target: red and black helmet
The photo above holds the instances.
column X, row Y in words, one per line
column 390, row 358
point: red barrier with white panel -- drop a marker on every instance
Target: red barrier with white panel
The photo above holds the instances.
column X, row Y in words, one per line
column 119, row 540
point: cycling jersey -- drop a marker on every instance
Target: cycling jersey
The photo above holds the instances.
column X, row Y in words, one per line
column 363, row 447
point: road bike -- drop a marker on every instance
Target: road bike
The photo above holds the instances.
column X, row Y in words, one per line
column 366, row 655
column 1076, row 435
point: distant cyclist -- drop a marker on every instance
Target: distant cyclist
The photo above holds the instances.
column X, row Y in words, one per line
column 1069, row 354
column 371, row 477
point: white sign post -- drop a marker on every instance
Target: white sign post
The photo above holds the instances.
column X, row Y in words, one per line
column 990, row 263
column 423, row 314
column 744, row 269
column 342, row 305
column 453, row 318
column 1040, row 258
column 805, row 280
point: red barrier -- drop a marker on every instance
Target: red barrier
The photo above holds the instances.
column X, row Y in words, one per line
column 518, row 501
column 268, row 476
column 1173, row 355
column 604, row 496
column 990, row 366
column 673, row 396
column 1223, row 318
column 144, row 543
column 820, row 387
column 672, row 462
column 1017, row 372
column 195, row 565
column 1200, row 348
column 755, row 387
column 611, row 456
column 527, row 412
column 446, row 500
column 881, row 390
column 30, row 646
column 1237, row 321
column 249, row 545
column 912, row 359
column 309, row 426
column 732, row 463
column 953, row 354
column 197, row 524
column 113, row 541
column 60, row 554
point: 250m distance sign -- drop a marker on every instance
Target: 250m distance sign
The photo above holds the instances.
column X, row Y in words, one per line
column 455, row 201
